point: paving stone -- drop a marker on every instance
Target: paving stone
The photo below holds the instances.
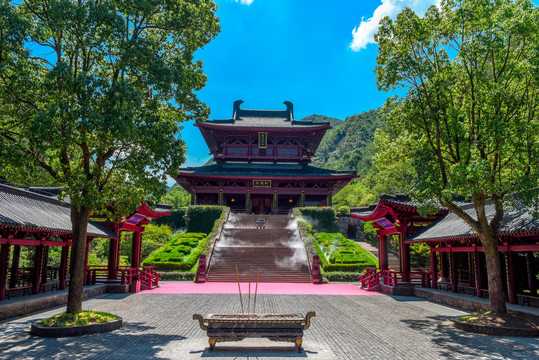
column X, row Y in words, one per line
column 345, row 327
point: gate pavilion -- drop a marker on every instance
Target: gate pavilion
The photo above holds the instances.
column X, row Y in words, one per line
column 457, row 257
column 38, row 220
column 262, row 162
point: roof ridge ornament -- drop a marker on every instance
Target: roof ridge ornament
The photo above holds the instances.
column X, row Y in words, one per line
column 238, row 113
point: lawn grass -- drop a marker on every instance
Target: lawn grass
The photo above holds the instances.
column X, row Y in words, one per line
column 82, row 318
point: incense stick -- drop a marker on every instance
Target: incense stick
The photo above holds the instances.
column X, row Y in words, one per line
column 239, row 288
column 256, row 289
column 249, row 303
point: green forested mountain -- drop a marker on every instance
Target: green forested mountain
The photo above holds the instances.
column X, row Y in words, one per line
column 349, row 144
column 321, row 118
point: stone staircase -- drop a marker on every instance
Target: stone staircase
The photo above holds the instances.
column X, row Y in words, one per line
column 277, row 249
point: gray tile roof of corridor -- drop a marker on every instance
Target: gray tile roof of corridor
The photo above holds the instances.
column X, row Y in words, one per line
column 28, row 210
column 517, row 220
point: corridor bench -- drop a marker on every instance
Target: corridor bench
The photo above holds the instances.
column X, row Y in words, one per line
column 526, row 298
column 54, row 285
column 25, row 289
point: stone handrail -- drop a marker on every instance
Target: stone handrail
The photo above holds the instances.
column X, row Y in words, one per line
column 216, row 238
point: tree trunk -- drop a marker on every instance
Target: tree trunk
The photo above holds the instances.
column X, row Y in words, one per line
column 496, row 295
column 79, row 223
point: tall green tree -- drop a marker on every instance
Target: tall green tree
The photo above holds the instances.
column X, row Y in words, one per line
column 93, row 92
column 176, row 196
column 469, row 116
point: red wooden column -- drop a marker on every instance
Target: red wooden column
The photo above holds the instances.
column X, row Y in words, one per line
column 4, row 260
column 38, row 257
column 135, row 249
column 275, row 202
column 510, row 271
column 530, row 268
column 248, row 204
column 452, row 271
column 44, row 264
column 478, row 277
column 444, row 266
column 114, row 250
column 382, row 241
column 329, row 201
column 63, row 267
column 193, row 197
column 405, row 249
column 15, row 266
column 433, row 267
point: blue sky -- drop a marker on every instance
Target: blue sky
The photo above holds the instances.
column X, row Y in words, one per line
column 318, row 54
column 270, row 51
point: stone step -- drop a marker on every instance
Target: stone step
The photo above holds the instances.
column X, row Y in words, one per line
column 276, row 250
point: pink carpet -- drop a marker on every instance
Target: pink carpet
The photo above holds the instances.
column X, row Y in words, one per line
column 263, row 288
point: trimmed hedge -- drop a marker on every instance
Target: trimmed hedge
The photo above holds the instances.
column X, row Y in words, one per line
column 202, row 218
column 329, row 247
column 342, row 276
column 322, row 219
column 180, row 253
column 178, row 276
column 176, row 220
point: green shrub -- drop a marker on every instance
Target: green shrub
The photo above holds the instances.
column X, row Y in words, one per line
column 178, row 276
column 342, row 276
column 321, row 218
column 176, row 220
column 343, row 210
column 221, row 219
column 307, row 229
column 202, row 218
column 178, row 254
column 346, row 267
column 341, row 254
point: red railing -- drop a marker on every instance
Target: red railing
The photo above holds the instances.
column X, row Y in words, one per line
column 100, row 274
column 413, row 278
column 148, row 276
column 370, row 278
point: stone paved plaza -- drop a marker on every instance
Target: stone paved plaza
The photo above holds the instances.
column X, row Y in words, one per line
column 345, row 327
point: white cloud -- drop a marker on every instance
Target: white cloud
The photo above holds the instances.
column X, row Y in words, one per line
column 364, row 33
column 245, row 2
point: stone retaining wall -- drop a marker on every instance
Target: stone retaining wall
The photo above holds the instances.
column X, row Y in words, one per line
column 31, row 305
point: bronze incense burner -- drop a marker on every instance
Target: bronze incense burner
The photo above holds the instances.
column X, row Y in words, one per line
column 236, row 327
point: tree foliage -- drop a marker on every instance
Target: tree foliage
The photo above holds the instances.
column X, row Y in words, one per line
column 468, row 123
column 349, row 144
column 93, row 92
column 176, row 196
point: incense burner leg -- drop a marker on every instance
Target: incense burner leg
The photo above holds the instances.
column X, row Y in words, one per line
column 212, row 342
column 299, row 341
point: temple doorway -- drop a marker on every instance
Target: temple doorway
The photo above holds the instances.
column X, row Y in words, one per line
column 261, row 204
column 236, row 202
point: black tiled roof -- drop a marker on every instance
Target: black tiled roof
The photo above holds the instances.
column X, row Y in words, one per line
column 266, row 122
column 399, row 199
column 364, row 211
column 162, row 208
column 270, row 170
column 516, row 220
column 265, row 118
column 29, row 210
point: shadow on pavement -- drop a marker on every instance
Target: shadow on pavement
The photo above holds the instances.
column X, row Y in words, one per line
column 455, row 342
column 132, row 341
